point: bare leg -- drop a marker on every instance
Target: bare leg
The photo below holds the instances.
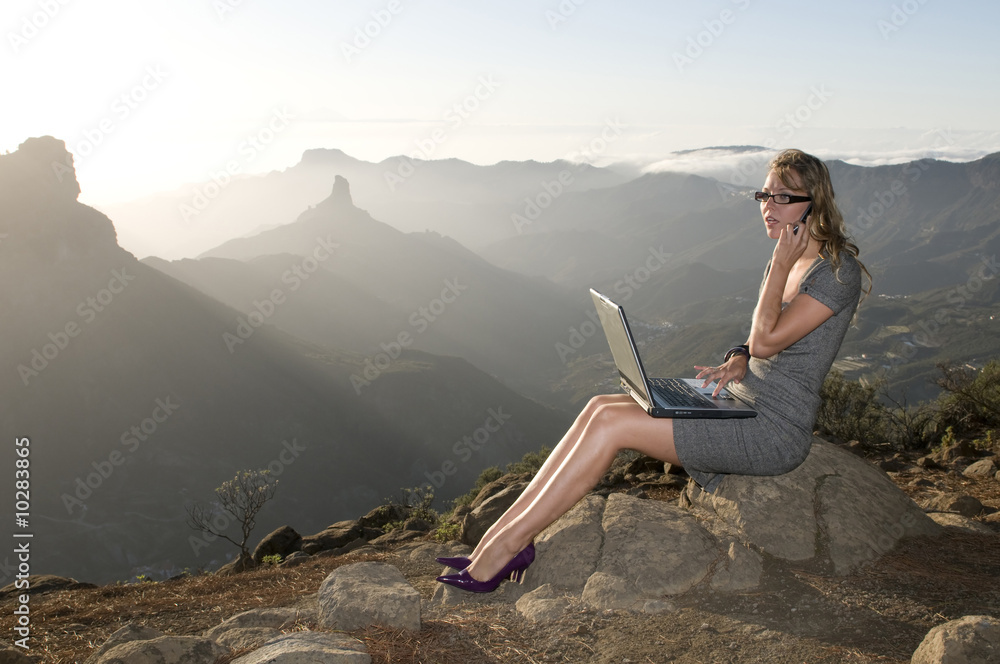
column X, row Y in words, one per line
column 555, row 459
column 612, row 427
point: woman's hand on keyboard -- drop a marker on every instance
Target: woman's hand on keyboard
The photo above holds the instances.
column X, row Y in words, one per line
column 731, row 371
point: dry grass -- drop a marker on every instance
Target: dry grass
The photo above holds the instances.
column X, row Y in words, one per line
column 67, row 625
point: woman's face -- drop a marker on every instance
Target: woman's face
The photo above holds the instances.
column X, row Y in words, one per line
column 776, row 216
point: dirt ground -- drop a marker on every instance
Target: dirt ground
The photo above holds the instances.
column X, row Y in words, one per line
column 878, row 614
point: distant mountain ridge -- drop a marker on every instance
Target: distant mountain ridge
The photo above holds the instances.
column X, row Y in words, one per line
column 472, row 204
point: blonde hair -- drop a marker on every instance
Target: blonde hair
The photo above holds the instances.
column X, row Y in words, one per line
column 798, row 170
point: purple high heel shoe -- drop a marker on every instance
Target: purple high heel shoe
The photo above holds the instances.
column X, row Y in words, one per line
column 514, row 570
column 459, row 563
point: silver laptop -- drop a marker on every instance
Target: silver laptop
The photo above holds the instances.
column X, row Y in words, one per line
column 660, row 397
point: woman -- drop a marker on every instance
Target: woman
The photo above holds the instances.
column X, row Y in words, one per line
column 808, row 297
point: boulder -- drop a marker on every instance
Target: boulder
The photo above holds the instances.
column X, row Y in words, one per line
column 894, row 464
column 334, row 537
column 958, row 503
column 301, row 647
column 295, row 559
column 282, row 542
column 132, row 631
column 384, row 514
column 659, row 549
column 496, row 486
column 45, row 583
column 834, row 512
column 622, row 551
column 741, row 569
column 274, row 618
column 240, row 564
column 416, row 523
column 368, row 593
column 398, row 535
column 247, row 638
column 968, row 640
column 164, row 649
column 568, row 551
column 982, row 468
column 424, row 553
column 643, row 465
column 543, row 604
column 478, row 521
column 14, row 655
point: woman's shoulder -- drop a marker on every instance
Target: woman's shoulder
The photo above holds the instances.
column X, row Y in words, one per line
column 846, row 270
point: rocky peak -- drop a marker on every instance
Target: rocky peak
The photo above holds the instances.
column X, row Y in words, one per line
column 39, row 211
column 40, row 170
column 340, row 197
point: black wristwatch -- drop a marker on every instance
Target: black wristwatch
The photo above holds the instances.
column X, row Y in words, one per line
column 741, row 350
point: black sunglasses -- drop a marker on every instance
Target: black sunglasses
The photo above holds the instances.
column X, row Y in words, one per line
column 780, row 199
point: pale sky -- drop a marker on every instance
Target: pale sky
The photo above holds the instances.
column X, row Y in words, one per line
column 150, row 95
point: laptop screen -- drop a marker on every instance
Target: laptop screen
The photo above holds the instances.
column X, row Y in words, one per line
column 614, row 323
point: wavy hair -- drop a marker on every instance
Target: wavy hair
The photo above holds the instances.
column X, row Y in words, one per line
column 799, row 170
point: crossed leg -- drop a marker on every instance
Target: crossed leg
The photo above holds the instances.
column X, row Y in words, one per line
column 608, row 424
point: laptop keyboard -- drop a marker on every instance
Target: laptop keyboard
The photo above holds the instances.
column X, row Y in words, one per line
column 677, row 393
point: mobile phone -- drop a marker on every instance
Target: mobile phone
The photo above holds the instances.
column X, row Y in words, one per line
column 795, row 228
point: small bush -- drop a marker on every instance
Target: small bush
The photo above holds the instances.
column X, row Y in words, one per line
column 447, row 532
column 272, row 559
column 416, row 502
column 970, row 404
column 849, row 410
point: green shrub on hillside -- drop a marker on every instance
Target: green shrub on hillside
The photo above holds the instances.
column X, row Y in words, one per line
column 970, row 404
column 969, row 408
column 417, row 502
column 848, row 410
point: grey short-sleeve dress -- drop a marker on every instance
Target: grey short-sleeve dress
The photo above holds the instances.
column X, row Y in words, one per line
column 783, row 388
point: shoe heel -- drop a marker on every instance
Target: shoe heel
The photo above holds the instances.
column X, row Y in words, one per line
column 517, row 576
